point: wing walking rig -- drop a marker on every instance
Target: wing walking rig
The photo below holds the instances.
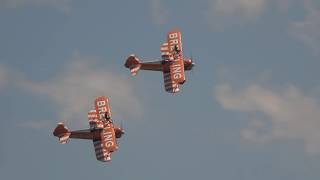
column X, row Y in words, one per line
column 172, row 63
column 102, row 132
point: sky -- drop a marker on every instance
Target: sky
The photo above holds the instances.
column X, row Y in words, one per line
column 249, row 109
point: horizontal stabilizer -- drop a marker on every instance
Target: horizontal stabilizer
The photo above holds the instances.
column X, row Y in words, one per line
column 62, row 133
column 133, row 64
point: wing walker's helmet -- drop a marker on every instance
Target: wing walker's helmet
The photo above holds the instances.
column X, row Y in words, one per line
column 107, row 116
column 176, row 49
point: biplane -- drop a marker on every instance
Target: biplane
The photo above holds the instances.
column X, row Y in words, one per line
column 172, row 63
column 102, row 132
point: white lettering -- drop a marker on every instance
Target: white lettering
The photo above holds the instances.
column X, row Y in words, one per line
column 177, row 76
column 109, row 144
column 108, row 138
column 173, row 35
column 174, row 41
column 177, row 71
column 101, row 108
column 101, row 103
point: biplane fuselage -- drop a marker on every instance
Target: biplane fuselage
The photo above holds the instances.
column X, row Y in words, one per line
column 102, row 132
column 172, row 63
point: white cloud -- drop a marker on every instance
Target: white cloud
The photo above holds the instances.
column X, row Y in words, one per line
column 292, row 114
column 35, row 124
column 8, row 77
column 75, row 87
column 159, row 12
column 63, row 5
column 284, row 5
column 307, row 30
column 245, row 8
column 4, row 76
column 222, row 12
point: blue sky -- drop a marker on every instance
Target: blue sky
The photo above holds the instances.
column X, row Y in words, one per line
column 249, row 110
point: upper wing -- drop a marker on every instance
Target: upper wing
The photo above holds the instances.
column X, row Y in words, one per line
column 106, row 144
column 174, row 42
column 176, row 66
column 102, row 107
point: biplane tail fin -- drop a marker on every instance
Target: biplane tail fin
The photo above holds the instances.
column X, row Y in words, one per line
column 133, row 64
column 62, row 133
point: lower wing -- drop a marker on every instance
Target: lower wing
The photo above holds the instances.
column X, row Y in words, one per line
column 169, row 84
column 102, row 153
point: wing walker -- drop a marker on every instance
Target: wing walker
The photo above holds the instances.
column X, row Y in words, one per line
column 102, row 132
column 172, row 63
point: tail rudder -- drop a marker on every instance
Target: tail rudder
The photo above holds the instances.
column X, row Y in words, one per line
column 133, row 64
column 62, row 133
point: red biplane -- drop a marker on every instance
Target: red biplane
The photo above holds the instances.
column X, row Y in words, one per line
column 102, row 131
column 173, row 64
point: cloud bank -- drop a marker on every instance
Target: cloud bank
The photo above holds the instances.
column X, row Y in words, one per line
column 293, row 115
column 159, row 12
column 307, row 30
column 4, row 76
column 226, row 12
column 74, row 88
